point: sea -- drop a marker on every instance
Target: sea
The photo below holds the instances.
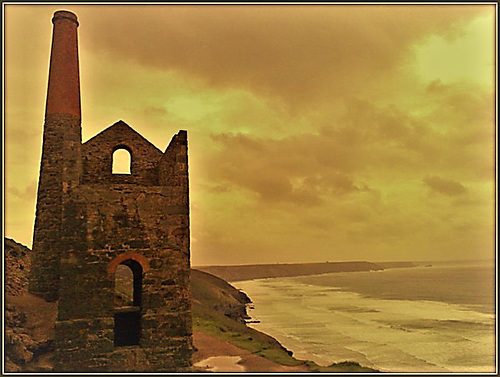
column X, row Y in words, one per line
column 437, row 318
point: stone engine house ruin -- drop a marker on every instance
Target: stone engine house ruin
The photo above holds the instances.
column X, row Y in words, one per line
column 91, row 222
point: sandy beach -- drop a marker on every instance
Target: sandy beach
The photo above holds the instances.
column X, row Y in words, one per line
column 215, row 355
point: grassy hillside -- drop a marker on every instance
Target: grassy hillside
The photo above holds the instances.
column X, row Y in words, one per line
column 219, row 310
column 215, row 294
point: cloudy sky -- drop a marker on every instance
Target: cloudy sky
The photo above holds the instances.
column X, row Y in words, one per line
column 316, row 132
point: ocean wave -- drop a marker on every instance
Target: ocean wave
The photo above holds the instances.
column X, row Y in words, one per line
column 398, row 335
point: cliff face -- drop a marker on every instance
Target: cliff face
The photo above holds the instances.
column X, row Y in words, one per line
column 214, row 293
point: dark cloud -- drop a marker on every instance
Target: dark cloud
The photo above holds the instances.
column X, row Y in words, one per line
column 26, row 193
column 302, row 53
column 445, row 186
column 291, row 169
column 155, row 111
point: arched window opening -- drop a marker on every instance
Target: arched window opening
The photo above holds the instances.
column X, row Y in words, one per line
column 128, row 289
column 122, row 161
column 124, row 286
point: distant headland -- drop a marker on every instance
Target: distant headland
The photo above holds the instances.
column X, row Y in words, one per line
column 262, row 271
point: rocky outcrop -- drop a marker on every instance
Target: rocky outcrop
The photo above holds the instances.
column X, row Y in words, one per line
column 29, row 320
column 17, row 262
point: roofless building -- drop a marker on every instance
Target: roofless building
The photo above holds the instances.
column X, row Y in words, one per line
column 93, row 226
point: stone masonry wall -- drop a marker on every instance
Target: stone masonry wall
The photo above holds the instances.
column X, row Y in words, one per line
column 59, row 172
column 98, row 153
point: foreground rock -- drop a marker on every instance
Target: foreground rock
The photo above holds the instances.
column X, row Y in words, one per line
column 29, row 320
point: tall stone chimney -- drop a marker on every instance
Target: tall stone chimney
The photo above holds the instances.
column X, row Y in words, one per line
column 63, row 96
column 60, row 166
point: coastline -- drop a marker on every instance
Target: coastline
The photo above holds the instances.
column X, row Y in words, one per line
column 263, row 271
column 216, row 355
column 219, row 314
column 447, row 328
column 297, row 350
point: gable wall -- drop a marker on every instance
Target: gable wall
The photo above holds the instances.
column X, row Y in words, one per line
column 97, row 156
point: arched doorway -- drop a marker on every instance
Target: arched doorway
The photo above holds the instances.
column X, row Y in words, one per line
column 128, row 291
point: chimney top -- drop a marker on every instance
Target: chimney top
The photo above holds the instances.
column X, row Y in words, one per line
column 64, row 14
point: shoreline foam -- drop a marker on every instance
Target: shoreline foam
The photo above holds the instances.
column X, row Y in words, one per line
column 428, row 327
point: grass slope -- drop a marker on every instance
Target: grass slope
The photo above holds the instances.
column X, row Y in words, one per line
column 219, row 310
